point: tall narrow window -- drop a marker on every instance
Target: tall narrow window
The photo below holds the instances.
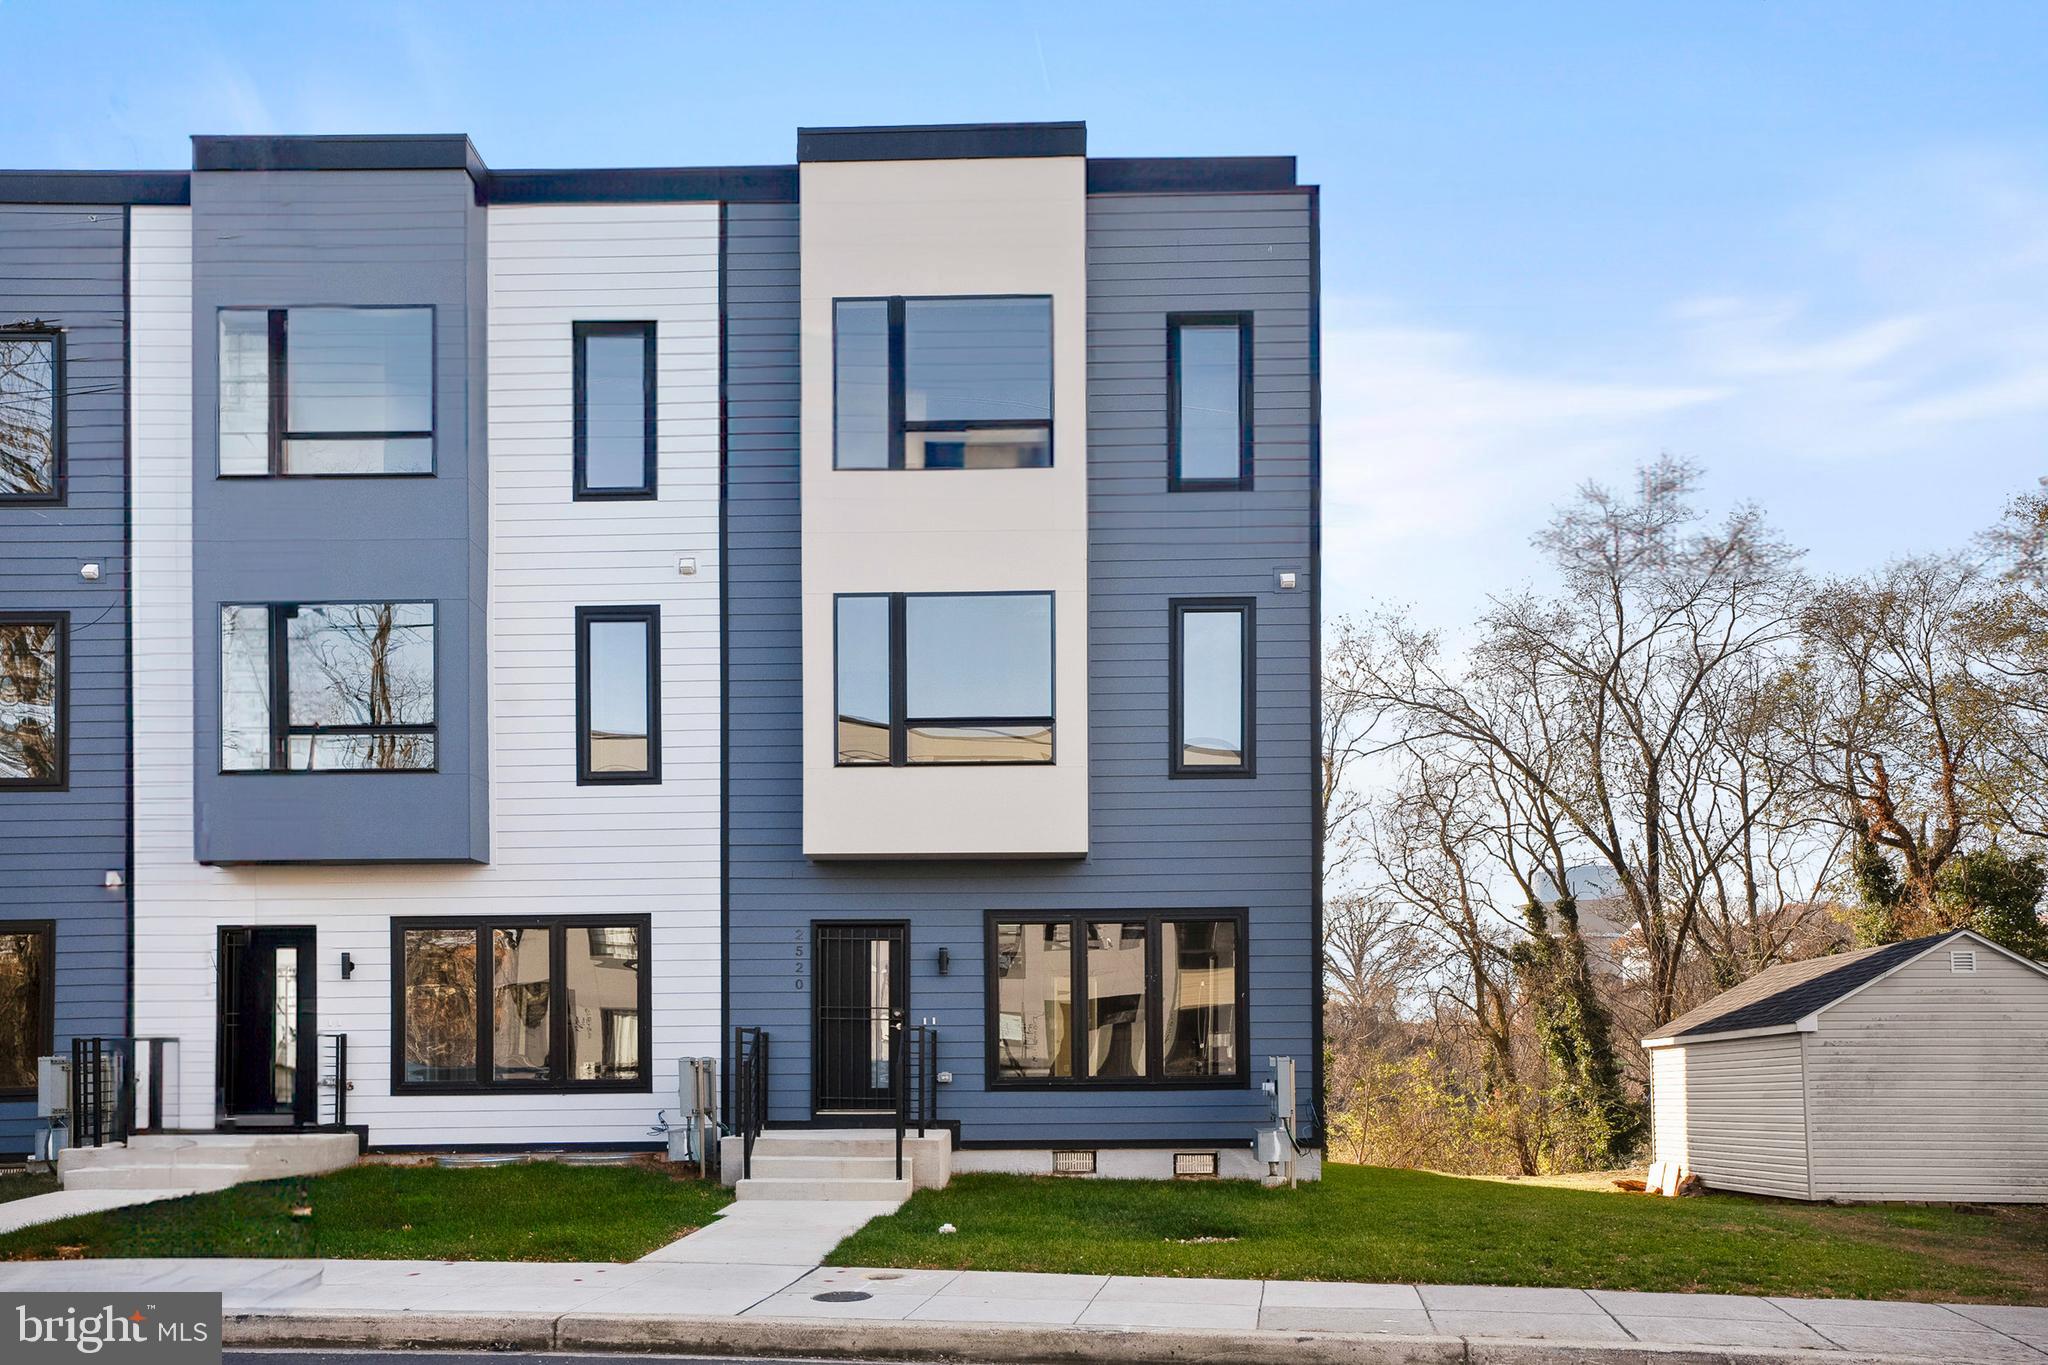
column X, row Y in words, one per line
column 614, row 428
column 1132, row 999
column 1211, row 675
column 26, row 948
column 618, row 694
column 31, row 415
column 326, row 391
column 1209, row 401
column 327, row 687
column 34, row 706
column 944, row 678
column 942, row 383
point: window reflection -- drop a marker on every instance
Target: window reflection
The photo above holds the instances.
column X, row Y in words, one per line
column 522, row 1028
column 942, row 383
column 1034, row 969
column 615, row 408
column 1212, row 681
column 1116, row 999
column 439, row 1006
column 357, row 386
column 1209, row 420
column 1198, row 986
column 860, row 382
column 28, row 416
column 31, row 688
column 619, row 707
column 357, row 684
column 24, row 960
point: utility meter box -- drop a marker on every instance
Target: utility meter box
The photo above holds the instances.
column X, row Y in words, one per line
column 53, row 1087
column 1272, row 1147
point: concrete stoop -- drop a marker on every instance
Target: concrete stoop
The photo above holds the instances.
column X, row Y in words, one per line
column 202, row 1161
column 856, row 1164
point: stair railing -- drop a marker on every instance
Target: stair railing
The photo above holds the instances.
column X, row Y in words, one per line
column 749, row 1091
column 913, row 1070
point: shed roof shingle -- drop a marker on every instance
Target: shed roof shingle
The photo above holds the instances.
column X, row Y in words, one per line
column 1790, row 991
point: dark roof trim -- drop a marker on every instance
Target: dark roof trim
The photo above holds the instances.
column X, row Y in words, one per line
column 351, row 152
column 941, row 141
column 95, row 187
column 732, row 184
column 1190, row 174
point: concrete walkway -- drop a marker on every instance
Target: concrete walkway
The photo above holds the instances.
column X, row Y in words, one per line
column 773, row 1232
column 48, row 1208
column 747, row 1307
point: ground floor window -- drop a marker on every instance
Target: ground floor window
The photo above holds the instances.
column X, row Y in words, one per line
column 521, row 1004
column 1145, row 998
column 25, row 1002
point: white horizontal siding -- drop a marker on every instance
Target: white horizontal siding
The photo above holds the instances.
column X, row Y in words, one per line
column 1667, row 1105
column 556, row 847
column 1745, row 1115
column 1933, row 1085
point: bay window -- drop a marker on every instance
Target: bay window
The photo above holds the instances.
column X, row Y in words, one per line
column 326, row 391
column 944, row 678
column 327, row 687
column 942, row 383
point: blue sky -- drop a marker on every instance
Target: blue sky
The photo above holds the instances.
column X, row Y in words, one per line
column 1805, row 245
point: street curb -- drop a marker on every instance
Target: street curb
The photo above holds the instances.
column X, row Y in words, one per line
column 989, row 1344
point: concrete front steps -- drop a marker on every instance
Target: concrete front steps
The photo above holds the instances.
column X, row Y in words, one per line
column 856, row 1164
column 202, row 1161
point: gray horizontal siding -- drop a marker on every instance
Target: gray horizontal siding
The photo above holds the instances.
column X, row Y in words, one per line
column 65, row 265
column 1155, row 843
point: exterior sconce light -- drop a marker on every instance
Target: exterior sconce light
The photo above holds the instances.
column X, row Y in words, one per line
column 114, row 881
column 89, row 572
column 348, row 966
column 945, row 961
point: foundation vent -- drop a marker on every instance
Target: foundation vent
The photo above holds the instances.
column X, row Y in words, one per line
column 1073, row 1163
column 1194, row 1165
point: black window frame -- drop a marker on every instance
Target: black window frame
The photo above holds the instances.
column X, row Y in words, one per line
column 59, row 444
column 901, row 722
column 898, row 385
column 558, row 927
column 281, row 730
column 649, row 617
column 582, row 491
column 1175, row 481
column 61, row 621
column 45, row 1043
column 1078, row 921
column 1176, row 609
column 279, row 379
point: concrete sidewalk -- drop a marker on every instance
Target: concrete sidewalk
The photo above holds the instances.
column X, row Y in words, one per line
column 745, row 1308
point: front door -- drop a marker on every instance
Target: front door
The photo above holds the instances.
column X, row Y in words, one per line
column 268, row 1045
column 859, row 998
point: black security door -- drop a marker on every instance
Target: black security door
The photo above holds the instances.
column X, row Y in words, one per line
column 860, row 997
column 268, row 1046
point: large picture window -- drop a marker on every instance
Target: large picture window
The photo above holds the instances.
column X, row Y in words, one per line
column 1117, row 999
column 327, row 687
column 521, row 1004
column 942, row 383
column 31, row 415
column 618, row 694
column 613, row 432
column 26, row 1016
column 1212, row 667
column 34, row 706
column 944, row 678
column 326, row 391
column 1209, row 401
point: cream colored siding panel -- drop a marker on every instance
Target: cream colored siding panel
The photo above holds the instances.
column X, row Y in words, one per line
column 1930, row 1084
column 1744, row 1118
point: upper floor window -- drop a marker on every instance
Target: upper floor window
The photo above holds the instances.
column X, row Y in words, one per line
column 327, row 687
column 26, row 1013
column 33, row 706
column 944, row 678
column 615, row 408
column 1211, row 673
column 618, row 694
column 31, row 415
column 334, row 391
column 942, row 383
column 1209, row 401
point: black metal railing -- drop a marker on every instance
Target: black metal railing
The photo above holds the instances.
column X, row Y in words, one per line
column 914, row 1071
column 749, row 1091
column 334, row 1078
column 117, row 1088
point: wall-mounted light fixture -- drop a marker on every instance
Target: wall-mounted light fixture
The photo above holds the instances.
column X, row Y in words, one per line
column 1289, row 580
column 114, row 881
column 945, row 961
column 348, row 966
column 89, row 572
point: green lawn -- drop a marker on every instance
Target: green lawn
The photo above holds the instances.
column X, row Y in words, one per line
column 20, row 1184
column 538, row 1211
column 1371, row 1224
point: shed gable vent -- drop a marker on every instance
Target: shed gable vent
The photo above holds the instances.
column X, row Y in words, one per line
column 1962, row 961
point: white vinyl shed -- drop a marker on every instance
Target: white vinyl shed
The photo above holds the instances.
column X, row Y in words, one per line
column 1915, row 1071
